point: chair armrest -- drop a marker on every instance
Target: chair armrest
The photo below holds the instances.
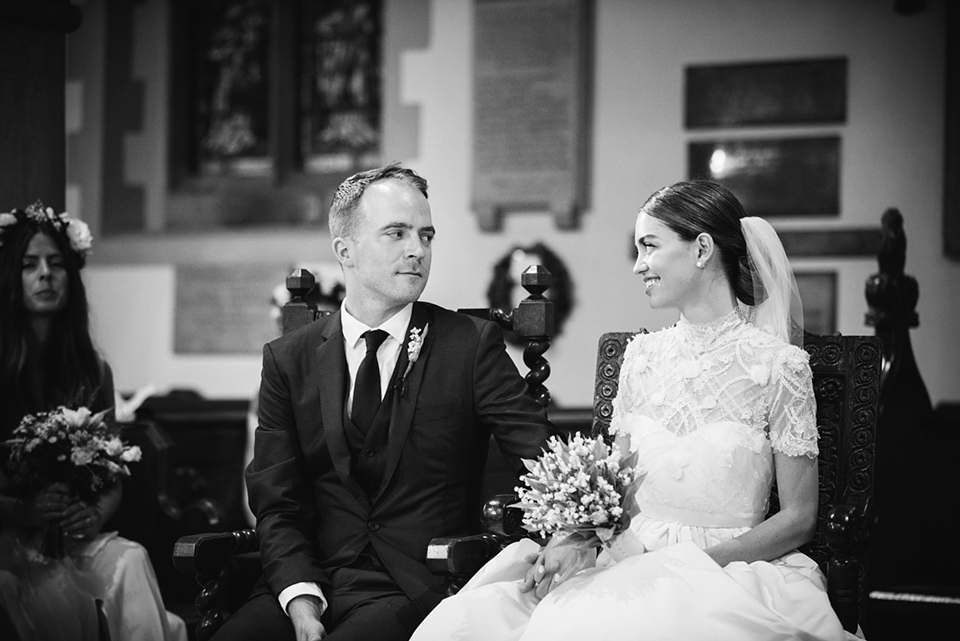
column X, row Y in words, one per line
column 211, row 558
column 205, row 554
column 848, row 527
column 462, row 556
column 847, row 530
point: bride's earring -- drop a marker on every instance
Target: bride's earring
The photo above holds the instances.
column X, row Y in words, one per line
column 700, row 264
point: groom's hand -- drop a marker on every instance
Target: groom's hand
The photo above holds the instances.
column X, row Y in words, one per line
column 305, row 611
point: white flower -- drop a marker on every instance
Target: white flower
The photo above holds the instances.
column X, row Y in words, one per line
column 75, row 417
column 81, row 457
column 760, row 374
column 131, row 454
column 81, row 240
column 414, row 345
column 113, row 447
column 7, row 220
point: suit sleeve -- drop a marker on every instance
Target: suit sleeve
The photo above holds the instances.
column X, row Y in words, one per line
column 503, row 403
column 279, row 488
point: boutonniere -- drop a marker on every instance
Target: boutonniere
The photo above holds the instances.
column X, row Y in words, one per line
column 414, row 345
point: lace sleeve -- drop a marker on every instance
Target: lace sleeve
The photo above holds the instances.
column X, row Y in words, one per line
column 621, row 402
column 793, row 409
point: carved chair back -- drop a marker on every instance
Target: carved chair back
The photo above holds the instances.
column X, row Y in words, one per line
column 533, row 320
column 846, row 381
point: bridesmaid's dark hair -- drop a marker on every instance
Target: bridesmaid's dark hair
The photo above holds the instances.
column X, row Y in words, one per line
column 695, row 207
column 69, row 361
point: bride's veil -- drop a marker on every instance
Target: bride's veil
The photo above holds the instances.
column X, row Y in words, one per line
column 778, row 308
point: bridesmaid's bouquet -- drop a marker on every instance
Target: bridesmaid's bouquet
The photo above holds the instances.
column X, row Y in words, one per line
column 584, row 488
column 75, row 447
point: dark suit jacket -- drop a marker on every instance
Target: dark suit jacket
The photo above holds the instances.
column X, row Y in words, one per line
column 313, row 516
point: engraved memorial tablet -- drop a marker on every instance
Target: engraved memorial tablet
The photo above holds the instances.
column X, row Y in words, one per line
column 530, row 98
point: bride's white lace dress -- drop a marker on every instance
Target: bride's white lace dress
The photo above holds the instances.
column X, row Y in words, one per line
column 706, row 406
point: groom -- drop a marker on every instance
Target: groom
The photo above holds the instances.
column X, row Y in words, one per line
column 372, row 434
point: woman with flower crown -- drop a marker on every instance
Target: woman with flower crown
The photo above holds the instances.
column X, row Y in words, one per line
column 715, row 407
column 48, row 360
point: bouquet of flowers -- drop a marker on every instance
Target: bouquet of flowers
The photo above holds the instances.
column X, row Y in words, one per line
column 74, row 447
column 584, row 488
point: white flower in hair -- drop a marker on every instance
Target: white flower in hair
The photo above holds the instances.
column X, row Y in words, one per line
column 77, row 232
column 81, row 240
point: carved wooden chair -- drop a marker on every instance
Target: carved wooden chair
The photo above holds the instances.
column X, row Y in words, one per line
column 159, row 506
column 226, row 564
column 846, row 377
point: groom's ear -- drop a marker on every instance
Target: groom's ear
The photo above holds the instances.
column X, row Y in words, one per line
column 343, row 250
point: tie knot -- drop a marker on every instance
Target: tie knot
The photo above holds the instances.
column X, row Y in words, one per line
column 374, row 338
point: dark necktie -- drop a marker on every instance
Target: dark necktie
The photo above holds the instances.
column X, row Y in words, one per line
column 366, row 392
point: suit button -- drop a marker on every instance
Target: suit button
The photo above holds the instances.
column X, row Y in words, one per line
column 373, row 526
column 370, row 452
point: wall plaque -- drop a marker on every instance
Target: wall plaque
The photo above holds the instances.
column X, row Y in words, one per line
column 769, row 93
column 774, row 177
column 225, row 309
column 531, row 69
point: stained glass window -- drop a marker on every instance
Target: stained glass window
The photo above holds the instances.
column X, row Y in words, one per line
column 274, row 103
column 340, row 86
column 233, row 81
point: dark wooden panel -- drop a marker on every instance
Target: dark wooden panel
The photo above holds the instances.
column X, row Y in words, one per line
column 768, row 93
column 774, row 176
column 837, row 243
column 210, row 436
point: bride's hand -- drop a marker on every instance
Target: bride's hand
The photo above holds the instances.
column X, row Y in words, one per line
column 562, row 557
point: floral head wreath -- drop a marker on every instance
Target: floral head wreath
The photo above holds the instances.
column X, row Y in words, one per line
column 76, row 231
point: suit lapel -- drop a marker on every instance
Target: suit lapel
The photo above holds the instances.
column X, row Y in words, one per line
column 330, row 355
column 405, row 393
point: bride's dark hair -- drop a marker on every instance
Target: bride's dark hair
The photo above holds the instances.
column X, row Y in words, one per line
column 695, row 207
column 69, row 361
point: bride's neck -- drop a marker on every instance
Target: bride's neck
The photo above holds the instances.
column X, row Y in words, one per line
column 716, row 303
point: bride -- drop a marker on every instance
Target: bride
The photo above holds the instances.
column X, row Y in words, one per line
column 717, row 407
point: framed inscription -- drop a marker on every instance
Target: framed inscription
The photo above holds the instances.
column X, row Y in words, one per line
column 774, row 177
column 800, row 92
column 225, row 309
column 530, row 88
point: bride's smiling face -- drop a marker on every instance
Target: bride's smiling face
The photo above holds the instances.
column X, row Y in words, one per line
column 666, row 262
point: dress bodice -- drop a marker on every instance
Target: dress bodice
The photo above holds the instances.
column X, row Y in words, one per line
column 706, row 406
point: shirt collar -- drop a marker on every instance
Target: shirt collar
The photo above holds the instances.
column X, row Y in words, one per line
column 396, row 325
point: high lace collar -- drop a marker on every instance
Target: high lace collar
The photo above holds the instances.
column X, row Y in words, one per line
column 704, row 335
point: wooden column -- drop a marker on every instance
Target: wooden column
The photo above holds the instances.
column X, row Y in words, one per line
column 32, row 75
column 903, row 488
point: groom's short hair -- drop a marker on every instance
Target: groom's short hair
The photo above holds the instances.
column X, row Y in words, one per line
column 342, row 219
